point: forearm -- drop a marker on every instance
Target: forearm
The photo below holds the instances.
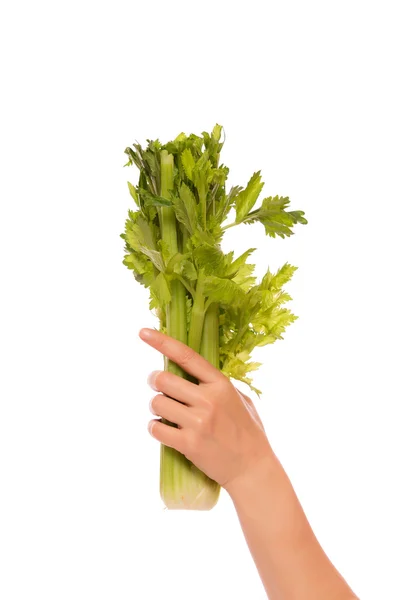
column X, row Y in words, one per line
column 220, row 431
column 289, row 559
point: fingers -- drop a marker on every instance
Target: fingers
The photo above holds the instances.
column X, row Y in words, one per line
column 181, row 354
column 169, row 409
column 175, row 387
column 167, row 435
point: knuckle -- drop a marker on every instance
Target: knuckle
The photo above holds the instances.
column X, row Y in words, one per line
column 200, row 422
column 227, row 382
column 191, row 445
column 224, row 385
column 204, row 423
column 160, row 343
column 209, row 408
column 186, row 356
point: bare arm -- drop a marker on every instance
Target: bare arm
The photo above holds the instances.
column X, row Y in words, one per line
column 220, row 431
column 289, row 559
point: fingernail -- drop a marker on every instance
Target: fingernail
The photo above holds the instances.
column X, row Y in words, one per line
column 151, row 380
column 145, row 333
column 150, row 427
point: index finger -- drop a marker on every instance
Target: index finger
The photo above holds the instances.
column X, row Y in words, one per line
column 182, row 355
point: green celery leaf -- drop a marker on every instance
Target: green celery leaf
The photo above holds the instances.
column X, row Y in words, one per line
column 185, row 268
column 247, row 197
column 141, row 266
column 149, row 211
column 210, row 259
column 280, row 321
column 282, row 276
column 160, row 291
column 200, row 237
column 152, row 162
column 138, row 232
column 238, row 262
column 223, row 291
column 251, row 315
column 189, row 305
column 185, row 207
column 236, row 368
column 297, row 216
column 212, row 144
column 225, row 203
column 189, row 270
column 165, row 251
column 147, row 171
column 188, row 163
column 134, row 158
column 216, row 132
column 140, row 236
column 263, row 340
column 150, row 199
column 202, row 177
column 244, row 276
column 202, row 171
column 274, row 217
column 175, row 260
column 133, row 193
column 136, row 261
column 154, row 256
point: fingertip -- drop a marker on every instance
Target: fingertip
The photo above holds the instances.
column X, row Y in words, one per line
column 145, row 333
column 151, row 380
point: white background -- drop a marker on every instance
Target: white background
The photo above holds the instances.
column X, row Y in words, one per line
column 306, row 92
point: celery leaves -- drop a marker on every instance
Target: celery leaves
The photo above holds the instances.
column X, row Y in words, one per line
column 174, row 239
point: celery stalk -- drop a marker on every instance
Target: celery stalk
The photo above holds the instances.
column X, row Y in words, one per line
column 197, row 318
column 173, row 247
column 182, row 485
column 210, row 350
column 210, row 338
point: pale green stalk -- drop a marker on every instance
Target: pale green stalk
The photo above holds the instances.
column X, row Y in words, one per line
column 210, row 350
column 182, row 485
column 197, row 316
column 210, row 338
column 176, row 309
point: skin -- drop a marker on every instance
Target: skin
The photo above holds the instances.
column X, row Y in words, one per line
column 220, row 431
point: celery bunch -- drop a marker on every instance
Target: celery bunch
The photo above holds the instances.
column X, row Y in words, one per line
column 203, row 297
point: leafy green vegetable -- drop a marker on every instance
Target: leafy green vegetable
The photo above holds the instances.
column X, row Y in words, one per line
column 202, row 296
column 250, row 315
column 248, row 197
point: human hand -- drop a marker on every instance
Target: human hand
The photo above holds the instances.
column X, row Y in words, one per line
column 219, row 429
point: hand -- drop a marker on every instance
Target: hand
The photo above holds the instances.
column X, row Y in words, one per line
column 219, row 429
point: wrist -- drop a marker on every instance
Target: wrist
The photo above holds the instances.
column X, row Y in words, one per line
column 260, row 471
